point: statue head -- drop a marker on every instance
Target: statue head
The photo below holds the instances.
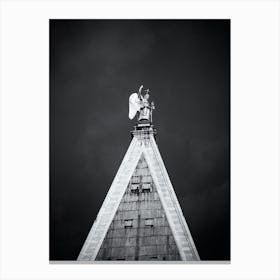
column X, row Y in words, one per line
column 147, row 96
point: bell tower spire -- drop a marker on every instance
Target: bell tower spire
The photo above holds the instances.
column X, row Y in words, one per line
column 140, row 218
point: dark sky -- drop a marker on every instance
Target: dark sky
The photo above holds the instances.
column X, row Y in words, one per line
column 94, row 66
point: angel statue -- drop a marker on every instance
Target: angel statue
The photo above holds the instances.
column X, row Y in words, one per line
column 140, row 103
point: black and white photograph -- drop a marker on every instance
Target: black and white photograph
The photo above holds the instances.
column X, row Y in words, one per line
column 139, row 140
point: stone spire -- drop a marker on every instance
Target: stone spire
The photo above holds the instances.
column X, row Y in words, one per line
column 140, row 218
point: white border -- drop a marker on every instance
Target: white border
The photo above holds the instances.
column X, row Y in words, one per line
column 255, row 138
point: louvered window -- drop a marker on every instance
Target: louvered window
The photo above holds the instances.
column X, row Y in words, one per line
column 149, row 222
column 134, row 188
column 146, row 187
column 128, row 223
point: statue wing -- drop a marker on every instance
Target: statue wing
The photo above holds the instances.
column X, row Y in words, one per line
column 134, row 105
